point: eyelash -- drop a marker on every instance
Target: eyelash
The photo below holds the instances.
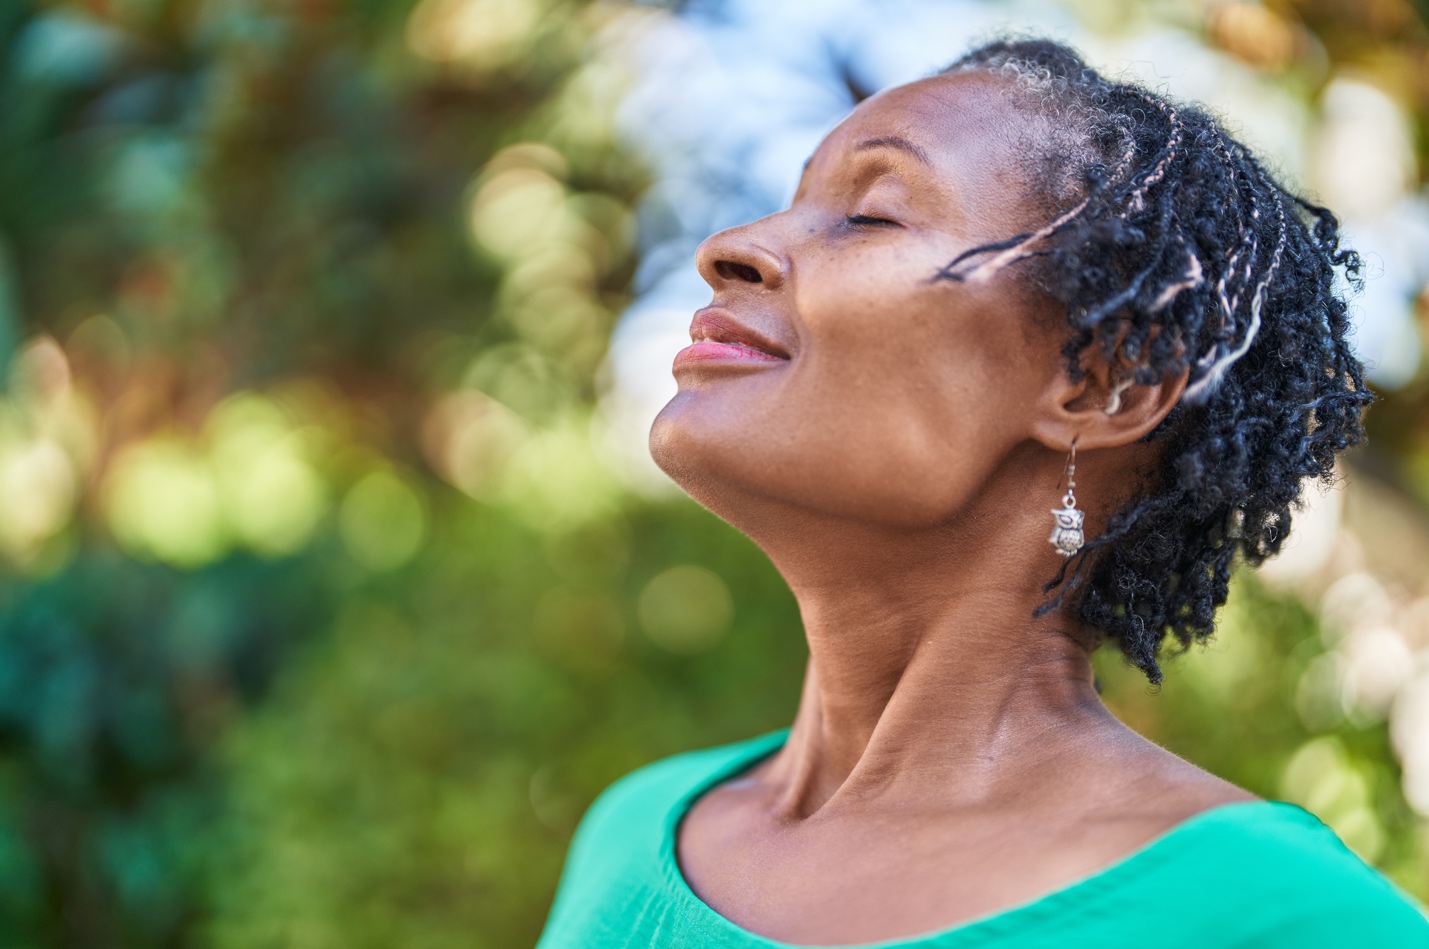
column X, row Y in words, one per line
column 864, row 220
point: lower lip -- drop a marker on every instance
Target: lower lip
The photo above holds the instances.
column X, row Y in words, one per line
column 707, row 350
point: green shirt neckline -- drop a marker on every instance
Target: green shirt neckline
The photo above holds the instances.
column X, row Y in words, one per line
column 1062, row 900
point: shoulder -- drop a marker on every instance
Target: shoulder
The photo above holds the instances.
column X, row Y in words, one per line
column 1281, row 877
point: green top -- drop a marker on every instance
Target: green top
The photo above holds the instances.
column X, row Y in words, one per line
column 1262, row 874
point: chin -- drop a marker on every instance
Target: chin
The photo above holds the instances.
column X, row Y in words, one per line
column 728, row 470
column 679, row 450
column 748, row 482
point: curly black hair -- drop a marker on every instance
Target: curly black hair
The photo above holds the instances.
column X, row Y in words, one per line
column 1172, row 248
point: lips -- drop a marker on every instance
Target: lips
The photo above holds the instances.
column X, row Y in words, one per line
column 716, row 336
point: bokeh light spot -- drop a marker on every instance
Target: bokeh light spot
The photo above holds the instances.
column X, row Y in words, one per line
column 477, row 34
column 382, row 521
column 685, row 609
column 469, row 437
column 272, row 496
column 517, row 211
column 163, row 503
column 556, row 482
column 37, row 482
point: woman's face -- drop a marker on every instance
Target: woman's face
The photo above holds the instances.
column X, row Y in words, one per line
column 830, row 371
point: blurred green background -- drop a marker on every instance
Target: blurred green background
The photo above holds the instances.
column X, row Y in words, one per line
column 324, row 612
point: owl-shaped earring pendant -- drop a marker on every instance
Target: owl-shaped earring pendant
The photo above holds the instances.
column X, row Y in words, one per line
column 1067, row 537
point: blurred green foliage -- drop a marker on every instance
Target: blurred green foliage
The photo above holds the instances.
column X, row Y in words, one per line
column 115, row 680
column 322, row 618
column 415, row 776
column 247, row 247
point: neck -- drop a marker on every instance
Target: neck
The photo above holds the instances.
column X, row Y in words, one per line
column 926, row 666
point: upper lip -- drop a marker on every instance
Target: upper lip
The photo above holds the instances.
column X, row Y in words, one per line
column 715, row 324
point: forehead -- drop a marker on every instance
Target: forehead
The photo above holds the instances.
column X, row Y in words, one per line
column 968, row 128
column 942, row 107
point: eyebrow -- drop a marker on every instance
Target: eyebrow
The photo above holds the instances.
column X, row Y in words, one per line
column 886, row 141
column 894, row 141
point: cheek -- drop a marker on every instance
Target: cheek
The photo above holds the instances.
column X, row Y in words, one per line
column 889, row 435
column 910, row 371
column 878, row 454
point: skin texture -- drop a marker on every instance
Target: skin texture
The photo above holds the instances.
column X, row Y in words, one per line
column 897, row 462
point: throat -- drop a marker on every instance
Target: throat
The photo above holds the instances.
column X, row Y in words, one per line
column 954, row 720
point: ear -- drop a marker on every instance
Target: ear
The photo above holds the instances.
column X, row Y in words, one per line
column 1107, row 408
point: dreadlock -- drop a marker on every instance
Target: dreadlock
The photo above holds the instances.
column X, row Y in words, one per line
column 1174, row 250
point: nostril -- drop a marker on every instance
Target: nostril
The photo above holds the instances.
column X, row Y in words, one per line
column 730, row 270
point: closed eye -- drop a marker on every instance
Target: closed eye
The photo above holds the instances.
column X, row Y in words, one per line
column 864, row 220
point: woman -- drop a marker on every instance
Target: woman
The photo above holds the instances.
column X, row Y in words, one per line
column 1009, row 289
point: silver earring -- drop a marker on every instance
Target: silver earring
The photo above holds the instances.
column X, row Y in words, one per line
column 1067, row 537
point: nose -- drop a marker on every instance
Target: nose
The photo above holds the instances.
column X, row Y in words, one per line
column 735, row 258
